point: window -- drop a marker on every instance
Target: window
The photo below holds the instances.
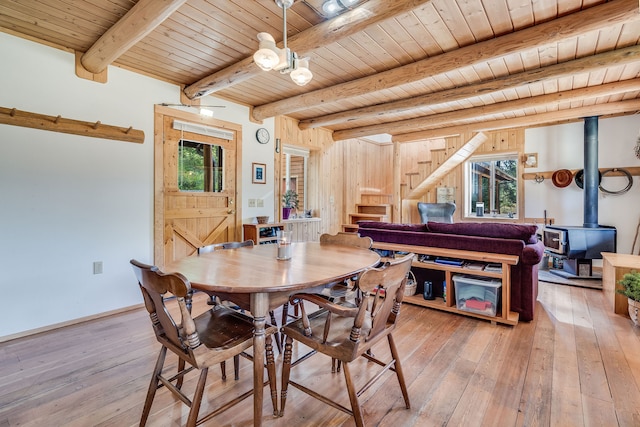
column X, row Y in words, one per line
column 199, row 167
column 492, row 180
column 294, row 173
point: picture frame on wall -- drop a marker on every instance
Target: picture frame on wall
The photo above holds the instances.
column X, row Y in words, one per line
column 259, row 173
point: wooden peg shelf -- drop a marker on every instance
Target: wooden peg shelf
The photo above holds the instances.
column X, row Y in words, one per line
column 633, row 170
column 11, row 116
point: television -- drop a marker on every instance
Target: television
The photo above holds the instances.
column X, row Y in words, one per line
column 554, row 240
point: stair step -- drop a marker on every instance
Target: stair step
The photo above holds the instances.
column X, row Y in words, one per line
column 355, row 217
column 375, row 198
column 378, row 209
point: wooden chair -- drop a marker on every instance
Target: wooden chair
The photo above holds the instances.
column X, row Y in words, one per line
column 339, row 291
column 346, row 333
column 200, row 342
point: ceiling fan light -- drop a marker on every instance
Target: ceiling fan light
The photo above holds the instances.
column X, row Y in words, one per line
column 301, row 75
column 348, row 3
column 330, row 7
column 266, row 57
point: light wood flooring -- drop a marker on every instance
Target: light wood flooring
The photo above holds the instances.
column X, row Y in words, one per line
column 577, row 364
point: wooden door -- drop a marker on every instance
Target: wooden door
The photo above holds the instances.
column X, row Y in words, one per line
column 187, row 218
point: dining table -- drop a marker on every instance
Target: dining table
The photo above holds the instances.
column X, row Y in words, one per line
column 256, row 280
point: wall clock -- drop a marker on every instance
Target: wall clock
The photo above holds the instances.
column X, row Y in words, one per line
column 262, row 135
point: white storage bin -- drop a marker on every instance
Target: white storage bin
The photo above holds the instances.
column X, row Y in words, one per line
column 477, row 294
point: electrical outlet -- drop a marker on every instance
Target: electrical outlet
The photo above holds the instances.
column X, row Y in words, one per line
column 97, row 267
column 260, row 203
column 252, row 203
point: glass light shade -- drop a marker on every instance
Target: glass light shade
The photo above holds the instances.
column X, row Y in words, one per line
column 330, row 7
column 301, row 75
column 348, row 3
column 266, row 57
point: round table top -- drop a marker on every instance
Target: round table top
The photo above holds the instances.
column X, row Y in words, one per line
column 256, row 269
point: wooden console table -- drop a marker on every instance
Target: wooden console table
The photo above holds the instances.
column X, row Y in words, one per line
column 505, row 316
column 614, row 266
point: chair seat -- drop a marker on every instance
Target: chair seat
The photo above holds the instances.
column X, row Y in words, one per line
column 223, row 328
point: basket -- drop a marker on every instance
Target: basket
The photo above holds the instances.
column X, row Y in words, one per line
column 411, row 286
column 262, row 219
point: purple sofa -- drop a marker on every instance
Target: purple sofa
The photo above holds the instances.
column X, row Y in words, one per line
column 502, row 238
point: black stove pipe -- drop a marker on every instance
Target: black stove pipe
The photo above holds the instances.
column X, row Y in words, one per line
column 591, row 175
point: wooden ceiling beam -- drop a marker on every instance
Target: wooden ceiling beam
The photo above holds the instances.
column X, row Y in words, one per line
column 139, row 21
column 451, row 117
column 613, row 108
column 591, row 19
column 349, row 23
column 599, row 61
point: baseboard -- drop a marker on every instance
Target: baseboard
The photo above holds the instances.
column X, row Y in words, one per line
column 68, row 323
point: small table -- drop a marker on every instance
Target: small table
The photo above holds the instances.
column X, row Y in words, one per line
column 614, row 266
column 255, row 280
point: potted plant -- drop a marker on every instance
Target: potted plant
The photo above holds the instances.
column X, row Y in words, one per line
column 289, row 202
column 631, row 289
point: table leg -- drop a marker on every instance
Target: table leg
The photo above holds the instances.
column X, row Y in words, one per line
column 259, row 309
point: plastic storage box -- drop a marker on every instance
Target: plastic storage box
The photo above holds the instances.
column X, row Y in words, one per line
column 477, row 294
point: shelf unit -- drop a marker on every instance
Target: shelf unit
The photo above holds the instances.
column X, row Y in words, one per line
column 304, row 230
column 252, row 231
column 505, row 316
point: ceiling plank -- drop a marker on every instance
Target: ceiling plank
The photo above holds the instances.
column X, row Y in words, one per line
column 596, row 62
column 305, row 42
column 141, row 19
column 435, row 120
column 594, row 18
column 613, row 108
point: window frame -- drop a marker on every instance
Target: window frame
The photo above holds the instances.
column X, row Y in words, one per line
column 489, row 207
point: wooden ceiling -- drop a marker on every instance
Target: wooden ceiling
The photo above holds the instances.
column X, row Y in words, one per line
column 414, row 69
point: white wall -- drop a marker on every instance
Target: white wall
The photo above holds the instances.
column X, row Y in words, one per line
column 67, row 200
column 562, row 147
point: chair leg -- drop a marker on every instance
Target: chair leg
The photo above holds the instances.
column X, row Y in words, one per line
column 223, row 369
column 285, row 319
column 399, row 373
column 274, row 323
column 286, row 371
column 236, row 367
column 153, row 386
column 180, row 369
column 271, row 373
column 197, row 398
column 353, row 397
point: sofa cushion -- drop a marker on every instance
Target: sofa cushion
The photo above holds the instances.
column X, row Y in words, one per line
column 392, row 226
column 524, row 232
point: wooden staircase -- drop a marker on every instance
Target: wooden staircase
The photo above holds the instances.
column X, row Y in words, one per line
column 373, row 207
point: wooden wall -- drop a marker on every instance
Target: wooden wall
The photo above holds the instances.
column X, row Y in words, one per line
column 423, row 157
column 347, row 169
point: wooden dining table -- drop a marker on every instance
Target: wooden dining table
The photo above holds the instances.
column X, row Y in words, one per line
column 254, row 279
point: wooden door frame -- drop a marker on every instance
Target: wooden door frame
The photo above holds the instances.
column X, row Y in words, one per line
column 158, row 171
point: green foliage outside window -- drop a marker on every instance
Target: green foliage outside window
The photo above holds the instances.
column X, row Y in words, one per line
column 192, row 173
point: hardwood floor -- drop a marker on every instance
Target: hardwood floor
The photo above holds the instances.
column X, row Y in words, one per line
column 577, row 364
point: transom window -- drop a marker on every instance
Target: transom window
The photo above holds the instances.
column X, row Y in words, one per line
column 492, row 181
